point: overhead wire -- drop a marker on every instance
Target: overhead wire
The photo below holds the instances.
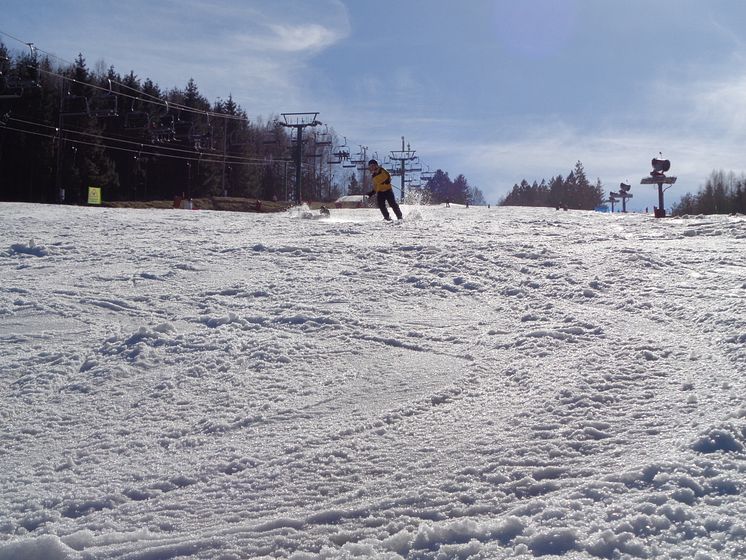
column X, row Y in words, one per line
column 156, row 150
column 141, row 97
column 229, row 158
column 149, row 153
column 140, row 153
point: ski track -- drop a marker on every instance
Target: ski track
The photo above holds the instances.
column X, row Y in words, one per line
column 504, row 383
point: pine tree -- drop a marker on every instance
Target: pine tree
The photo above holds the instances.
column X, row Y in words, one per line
column 440, row 187
column 558, row 196
column 354, row 186
column 460, row 190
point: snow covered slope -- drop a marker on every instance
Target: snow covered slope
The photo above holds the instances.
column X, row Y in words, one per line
column 472, row 383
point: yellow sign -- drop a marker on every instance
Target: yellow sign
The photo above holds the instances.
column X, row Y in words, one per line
column 94, row 195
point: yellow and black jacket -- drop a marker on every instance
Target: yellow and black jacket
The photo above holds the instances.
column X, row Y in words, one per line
column 381, row 180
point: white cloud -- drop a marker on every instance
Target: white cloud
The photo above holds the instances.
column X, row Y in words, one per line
column 722, row 104
column 257, row 52
column 298, row 39
column 307, row 37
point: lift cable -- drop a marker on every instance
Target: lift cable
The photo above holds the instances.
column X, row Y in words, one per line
column 141, row 152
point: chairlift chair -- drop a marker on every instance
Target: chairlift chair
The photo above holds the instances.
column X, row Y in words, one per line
column 13, row 85
column 105, row 105
column 323, row 139
column 136, row 120
column 203, row 142
column 75, row 106
column 183, row 131
column 9, row 87
column 162, row 128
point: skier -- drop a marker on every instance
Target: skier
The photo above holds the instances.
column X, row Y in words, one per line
column 382, row 186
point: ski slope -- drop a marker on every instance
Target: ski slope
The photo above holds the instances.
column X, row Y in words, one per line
column 472, row 383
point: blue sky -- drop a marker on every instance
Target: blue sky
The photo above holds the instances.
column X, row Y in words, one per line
column 497, row 90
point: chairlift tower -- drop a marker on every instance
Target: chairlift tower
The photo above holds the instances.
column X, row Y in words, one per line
column 299, row 121
column 360, row 162
column 402, row 156
column 658, row 176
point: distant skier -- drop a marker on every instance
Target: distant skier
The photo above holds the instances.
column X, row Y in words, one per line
column 382, row 187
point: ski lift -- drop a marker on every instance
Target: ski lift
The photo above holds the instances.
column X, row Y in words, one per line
column 33, row 69
column 342, row 154
column 75, row 106
column 13, row 85
column 161, row 127
column 183, row 130
column 136, row 120
column 105, row 104
column 323, row 138
column 203, row 141
column 10, row 87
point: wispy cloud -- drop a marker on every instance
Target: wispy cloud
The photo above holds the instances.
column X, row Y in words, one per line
column 304, row 38
column 719, row 104
column 259, row 51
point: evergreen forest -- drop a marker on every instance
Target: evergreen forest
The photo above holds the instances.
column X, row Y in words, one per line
column 572, row 192
column 65, row 128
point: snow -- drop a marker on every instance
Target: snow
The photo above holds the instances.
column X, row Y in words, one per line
column 471, row 383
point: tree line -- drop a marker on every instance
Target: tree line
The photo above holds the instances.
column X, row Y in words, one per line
column 722, row 193
column 64, row 128
column 67, row 128
column 574, row 191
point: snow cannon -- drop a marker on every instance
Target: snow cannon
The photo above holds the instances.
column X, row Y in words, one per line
column 660, row 166
column 658, row 177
